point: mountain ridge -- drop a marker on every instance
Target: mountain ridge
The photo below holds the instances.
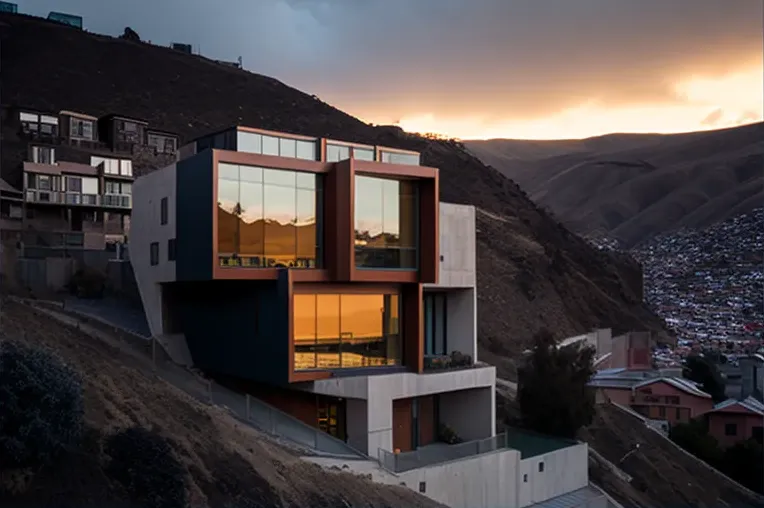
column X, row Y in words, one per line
column 634, row 186
column 532, row 272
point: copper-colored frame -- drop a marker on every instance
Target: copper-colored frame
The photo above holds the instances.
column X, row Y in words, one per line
column 338, row 241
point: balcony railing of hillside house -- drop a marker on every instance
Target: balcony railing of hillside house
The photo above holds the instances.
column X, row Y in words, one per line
column 456, row 360
column 77, row 199
column 438, row 453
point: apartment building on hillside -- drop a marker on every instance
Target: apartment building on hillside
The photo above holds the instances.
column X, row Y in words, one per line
column 322, row 279
column 68, row 177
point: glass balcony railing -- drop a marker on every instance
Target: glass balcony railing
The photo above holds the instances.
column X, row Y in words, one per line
column 77, row 199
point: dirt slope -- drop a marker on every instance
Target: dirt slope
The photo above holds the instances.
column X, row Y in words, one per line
column 662, row 474
column 532, row 272
column 224, row 458
column 635, row 186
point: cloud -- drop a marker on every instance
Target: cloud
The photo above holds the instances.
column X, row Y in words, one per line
column 713, row 118
column 488, row 59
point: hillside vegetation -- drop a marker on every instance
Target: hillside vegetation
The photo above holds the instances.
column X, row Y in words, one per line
column 632, row 187
column 224, row 463
column 531, row 270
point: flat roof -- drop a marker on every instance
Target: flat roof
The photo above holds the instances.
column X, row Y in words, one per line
column 77, row 115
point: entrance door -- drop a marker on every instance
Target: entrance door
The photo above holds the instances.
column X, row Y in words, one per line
column 331, row 418
column 402, row 429
column 76, row 220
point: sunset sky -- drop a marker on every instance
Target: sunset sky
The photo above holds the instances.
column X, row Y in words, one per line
column 534, row 69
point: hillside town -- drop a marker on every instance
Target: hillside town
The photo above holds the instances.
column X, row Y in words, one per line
column 708, row 286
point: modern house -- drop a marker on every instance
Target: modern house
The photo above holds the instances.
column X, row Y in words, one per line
column 733, row 421
column 321, row 279
column 326, row 279
column 66, row 19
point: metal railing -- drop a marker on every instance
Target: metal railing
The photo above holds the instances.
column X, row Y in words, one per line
column 439, row 453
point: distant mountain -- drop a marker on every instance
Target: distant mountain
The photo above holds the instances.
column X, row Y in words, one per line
column 633, row 186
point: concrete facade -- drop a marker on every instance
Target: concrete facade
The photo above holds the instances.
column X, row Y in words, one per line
column 496, row 479
column 468, row 402
column 149, row 191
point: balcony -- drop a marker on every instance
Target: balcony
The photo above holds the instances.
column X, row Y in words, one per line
column 76, row 199
column 455, row 361
column 438, row 453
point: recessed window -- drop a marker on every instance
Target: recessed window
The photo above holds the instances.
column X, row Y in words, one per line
column 525, row 478
column 541, row 467
column 43, row 155
column 154, row 253
column 411, row 159
column 126, row 167
column 336, row 153
column 81, row 129
column 163, row 211
column 363, row 154
column 171, row 249
column 422, row 487
column 386, row 223
column 268, row 217
column 730, row 429
column 337, row 331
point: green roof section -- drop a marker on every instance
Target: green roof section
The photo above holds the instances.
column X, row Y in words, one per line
column 531, row 444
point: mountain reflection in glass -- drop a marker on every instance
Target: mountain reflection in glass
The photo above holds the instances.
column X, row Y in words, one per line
column 385, row 223
column 267, row 217
column 333, row 331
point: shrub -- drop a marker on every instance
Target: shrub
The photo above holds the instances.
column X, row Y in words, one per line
column 143, row 463
column 41, row 406
column 87, row 283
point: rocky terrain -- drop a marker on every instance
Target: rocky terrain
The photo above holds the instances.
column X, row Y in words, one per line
column 632, row 187
column 532, row 271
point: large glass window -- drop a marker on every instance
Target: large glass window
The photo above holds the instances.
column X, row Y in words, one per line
column 435, row 316
column 268, row 217
column 336, row 153
column 252, row 142
column 386, row 221
column 411, row 159
column 333, row 331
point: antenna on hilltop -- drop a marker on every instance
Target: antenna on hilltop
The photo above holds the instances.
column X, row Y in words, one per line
column 241, row 65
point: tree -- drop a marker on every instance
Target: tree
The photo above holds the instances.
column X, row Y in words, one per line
column 693, row 436
column 744, row 462
column 702, row 370
column 553, row 389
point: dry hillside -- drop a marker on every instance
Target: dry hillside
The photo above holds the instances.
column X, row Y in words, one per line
column 634, row 186
column 532, row 272
column 662, row 474
column 227, row 462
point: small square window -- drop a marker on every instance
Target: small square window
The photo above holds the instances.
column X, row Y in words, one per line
column 163, row 209
column 730, row 429
column 171, row 249
column 541, row 467
column 154, row 253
